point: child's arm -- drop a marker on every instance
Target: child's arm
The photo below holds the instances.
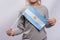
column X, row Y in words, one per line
column 19, row 29
column 20, row 26
column 51, row 21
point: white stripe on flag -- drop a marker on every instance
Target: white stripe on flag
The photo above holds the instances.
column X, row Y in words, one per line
column 36, row 20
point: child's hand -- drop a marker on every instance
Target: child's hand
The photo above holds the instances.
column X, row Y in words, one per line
column 10, row 32
column 52, row 21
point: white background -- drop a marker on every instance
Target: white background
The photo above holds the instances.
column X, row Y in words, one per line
column 9, row 10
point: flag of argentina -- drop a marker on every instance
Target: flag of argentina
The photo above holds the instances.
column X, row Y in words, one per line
column 35, row 18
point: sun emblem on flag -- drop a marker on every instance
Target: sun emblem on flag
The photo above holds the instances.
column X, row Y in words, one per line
column 34, row 17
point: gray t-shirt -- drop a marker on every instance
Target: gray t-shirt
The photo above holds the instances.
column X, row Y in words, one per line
column 28, row 30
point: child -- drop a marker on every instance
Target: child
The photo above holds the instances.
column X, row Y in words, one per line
column 28, row 30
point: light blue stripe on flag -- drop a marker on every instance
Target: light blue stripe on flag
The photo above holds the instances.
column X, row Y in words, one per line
column 30, row 13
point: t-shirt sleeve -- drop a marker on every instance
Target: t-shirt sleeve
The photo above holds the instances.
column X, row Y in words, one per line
column 20, row 26
column 46, row 15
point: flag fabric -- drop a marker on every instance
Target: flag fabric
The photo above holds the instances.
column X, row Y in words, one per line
column 35, row 18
